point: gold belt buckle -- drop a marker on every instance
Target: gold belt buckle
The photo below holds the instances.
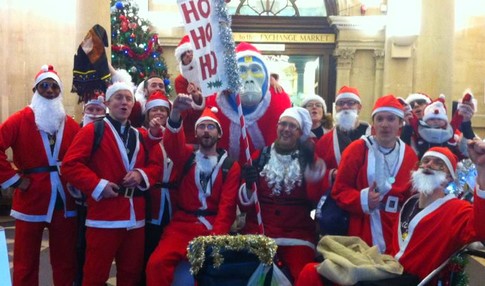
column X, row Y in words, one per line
column 129, row 193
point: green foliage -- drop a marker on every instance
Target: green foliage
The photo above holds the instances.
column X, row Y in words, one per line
column 134, row 47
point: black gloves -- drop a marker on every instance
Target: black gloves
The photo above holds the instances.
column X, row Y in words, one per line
column 249, row 174
column 307, row 150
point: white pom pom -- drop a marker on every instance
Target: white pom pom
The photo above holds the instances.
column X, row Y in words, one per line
column 214, row 109
column 121, row 75
column 442, row 96
column 44, row 68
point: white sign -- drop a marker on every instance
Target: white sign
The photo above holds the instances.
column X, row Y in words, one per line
column 202, row 27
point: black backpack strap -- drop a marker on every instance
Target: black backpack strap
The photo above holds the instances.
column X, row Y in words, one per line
column 98, row 135
column 187, row 165
column 226, row 166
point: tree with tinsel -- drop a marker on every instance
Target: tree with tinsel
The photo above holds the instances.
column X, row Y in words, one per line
column 134, row 47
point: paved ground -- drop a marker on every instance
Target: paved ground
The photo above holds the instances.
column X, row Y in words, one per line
column 45, row 275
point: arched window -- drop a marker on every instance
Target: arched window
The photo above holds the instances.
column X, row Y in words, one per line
column 288, row 8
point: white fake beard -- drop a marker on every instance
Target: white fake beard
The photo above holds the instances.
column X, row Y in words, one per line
column 346, row 119
column 435, row 135
column 282, row 172
column 427, row 183
column 49, row 113
column 88, row 118
column 191, row 72
column 204, row 163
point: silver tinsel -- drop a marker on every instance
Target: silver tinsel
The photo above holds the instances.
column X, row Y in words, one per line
column 230, row 62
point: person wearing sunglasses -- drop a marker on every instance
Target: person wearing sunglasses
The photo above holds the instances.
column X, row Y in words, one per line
column 322, row 121
column 39, row 136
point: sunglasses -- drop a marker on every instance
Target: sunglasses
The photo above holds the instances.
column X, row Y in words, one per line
column 47, row 85
column 346, row 102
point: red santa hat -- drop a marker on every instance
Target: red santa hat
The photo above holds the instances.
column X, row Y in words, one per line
column 157, row 98
column 301, row 115
column 390, row 104
column 183, row 47
column 315, row 97
column 418, row 96
column 209, row 114
column 436, row 110
column 446, row 155
column 244, row 49
column 47, row 71
column 347, row 92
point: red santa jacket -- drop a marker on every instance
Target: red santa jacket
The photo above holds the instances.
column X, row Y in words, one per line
column 356, row 173
column 90, row 173
column 438, row 231
column 31, row 150
column 216, row 207
column 260, row 124
column 286, row 217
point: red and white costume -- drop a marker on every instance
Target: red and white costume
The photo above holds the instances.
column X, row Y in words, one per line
column 286, row 219
column 115, row 225
column 35, row 208
column 198, row 212
column 357, row 171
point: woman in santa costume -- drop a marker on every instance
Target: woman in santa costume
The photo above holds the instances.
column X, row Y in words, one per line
column 39, row 136
column 373, row 178
column 432, row 224
column 206, row 199
column 114, row 184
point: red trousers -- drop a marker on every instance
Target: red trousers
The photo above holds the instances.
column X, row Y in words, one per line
column 62, row 250
column 171, row 250
column 295, row 258
column 103, row 245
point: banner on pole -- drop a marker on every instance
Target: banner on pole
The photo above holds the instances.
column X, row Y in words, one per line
column 202, row 27
column 5, row 279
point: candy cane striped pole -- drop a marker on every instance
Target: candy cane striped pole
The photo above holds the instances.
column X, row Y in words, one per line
column 248, row 160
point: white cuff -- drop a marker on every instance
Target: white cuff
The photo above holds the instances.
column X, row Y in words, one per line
column 243, row 196
column 97, row 193
column 364, row 200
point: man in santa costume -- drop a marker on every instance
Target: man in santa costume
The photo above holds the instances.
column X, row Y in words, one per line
column 348, row 128
column 146, row 88
column 418, row 102
column 373, row 177
column 206, row 202
column 188, row 82
column 114, row 183
column 286, row 174
column 39, row 136
column 432, row 224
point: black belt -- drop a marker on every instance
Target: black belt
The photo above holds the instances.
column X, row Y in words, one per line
column 201, row 212
column 168, row 185
column 43, row 169
column 130, row 192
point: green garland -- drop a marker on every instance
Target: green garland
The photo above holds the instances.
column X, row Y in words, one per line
column 261, row 246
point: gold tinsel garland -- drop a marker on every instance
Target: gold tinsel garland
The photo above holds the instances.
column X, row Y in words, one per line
column 261, row 246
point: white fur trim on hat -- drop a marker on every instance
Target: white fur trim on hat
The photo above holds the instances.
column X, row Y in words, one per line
column 444, row 158
column 302, row 116
column 348, row 95
column 157, row 102
column 310, row 97
column 435, row 110
column 417, row 96
column 395, row 111
column 117, row 86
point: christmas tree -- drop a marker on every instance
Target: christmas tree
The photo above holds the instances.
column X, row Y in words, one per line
column 134, row 47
